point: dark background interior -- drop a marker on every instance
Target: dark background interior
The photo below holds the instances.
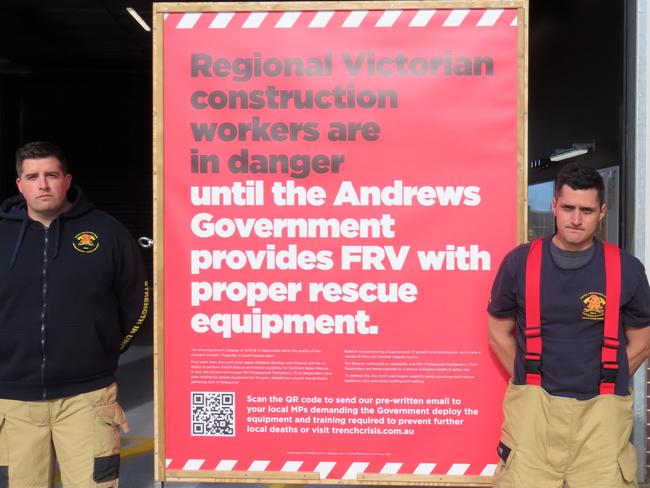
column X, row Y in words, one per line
column 78, row 73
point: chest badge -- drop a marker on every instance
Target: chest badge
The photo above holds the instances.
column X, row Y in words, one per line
column 594, row 306
column 86, row 242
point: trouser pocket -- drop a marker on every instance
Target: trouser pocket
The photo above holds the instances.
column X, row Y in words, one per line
column 506, row 455
column 109, row 418
column 627, row 463
column 4, row 455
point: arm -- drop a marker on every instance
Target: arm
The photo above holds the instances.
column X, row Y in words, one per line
column 132, row 289
column 638, row 346
column 502, row 341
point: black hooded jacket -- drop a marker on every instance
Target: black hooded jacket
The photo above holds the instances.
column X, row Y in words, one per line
column 71, row 297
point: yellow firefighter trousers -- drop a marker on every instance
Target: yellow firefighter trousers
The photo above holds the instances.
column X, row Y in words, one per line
column 81, row 432
column 550, row 440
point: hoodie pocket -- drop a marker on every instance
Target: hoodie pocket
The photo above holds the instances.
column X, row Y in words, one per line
column 20, row 355
column 75, row 352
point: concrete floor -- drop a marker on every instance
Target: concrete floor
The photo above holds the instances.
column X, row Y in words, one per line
column 135, row 380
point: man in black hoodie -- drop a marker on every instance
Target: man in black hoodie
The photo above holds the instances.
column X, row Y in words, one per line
column 72, row 296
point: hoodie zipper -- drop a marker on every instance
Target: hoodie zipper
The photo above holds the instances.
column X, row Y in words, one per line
column 44, row 315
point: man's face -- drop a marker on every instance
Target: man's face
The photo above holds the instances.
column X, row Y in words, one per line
column 44, row 187
column 577, row 215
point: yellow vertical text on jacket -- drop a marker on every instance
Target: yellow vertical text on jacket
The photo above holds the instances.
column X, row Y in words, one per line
column 143, row 315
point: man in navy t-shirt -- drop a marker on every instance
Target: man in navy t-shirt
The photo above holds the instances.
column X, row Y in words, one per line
column 561, row 425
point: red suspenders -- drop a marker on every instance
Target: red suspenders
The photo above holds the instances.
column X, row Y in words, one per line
column 533, row 332
column 533, row 320
column 609, row 368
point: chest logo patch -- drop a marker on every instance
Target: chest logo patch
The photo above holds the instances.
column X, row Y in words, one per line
column 594, row 303
column 86, row 242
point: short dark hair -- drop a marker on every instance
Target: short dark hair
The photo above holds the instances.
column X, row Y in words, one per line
column 580, row 177
column 40, row 150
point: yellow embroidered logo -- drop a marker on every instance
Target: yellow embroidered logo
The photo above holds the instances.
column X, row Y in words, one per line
column 594, row 306
column 86, row 242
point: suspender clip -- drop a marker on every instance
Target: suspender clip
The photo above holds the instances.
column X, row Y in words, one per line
column 608, row 373
column 533, row 363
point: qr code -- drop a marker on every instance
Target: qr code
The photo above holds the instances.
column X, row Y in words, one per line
column 213, row 414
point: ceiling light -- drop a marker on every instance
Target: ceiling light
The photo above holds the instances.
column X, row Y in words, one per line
column 576, row 149
column 138, row 19
column 568, row 153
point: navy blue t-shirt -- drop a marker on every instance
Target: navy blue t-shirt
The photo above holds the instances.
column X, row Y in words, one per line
column 572, row 314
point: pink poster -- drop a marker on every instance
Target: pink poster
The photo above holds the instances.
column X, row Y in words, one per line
column 339, row 189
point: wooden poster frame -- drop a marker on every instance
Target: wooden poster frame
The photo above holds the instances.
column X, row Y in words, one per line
column 159, row 11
